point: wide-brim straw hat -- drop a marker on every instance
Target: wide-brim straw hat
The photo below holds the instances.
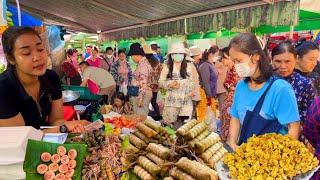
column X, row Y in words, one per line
column 177, row 48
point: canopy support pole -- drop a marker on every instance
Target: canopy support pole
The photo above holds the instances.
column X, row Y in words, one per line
column 19, row 12
column 291, row 32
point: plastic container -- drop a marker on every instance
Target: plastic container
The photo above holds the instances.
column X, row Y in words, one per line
column 68, row 113
column 84, row 92
column 13, row 146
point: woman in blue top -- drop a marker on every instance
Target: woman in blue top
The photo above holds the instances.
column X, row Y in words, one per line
column 262, row 104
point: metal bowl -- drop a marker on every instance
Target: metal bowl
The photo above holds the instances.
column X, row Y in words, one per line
column 80, row 109
column 68, row 96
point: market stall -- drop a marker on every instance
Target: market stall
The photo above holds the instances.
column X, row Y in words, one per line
column 148, row 150
column 117, row 146
column 130, row 147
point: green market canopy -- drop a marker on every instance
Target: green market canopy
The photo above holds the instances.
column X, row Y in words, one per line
column 127, row 19
column 309, row 19
column 275, row 15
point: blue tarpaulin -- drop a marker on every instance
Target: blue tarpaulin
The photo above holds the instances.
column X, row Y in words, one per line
column 54, row 37
column 26, row 19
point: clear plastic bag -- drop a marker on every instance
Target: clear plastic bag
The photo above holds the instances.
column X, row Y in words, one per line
column 211, row 120
column 124, row 88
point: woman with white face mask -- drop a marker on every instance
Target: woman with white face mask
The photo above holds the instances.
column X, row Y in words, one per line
column 177, row 78
column 208, row 76
column 262, row 103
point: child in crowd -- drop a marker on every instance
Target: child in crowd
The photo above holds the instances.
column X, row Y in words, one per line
column 121, row 104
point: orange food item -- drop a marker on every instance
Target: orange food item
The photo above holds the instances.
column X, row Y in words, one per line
column 117, row 131
column 121, row 122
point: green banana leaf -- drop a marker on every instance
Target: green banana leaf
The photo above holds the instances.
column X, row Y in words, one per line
column 130, row 175
column 36, row 148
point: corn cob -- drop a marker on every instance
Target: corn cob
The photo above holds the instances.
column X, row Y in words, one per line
column 201, row 136
column 158, row 150
column 216, row 157
column 147, row 131
column 143, row 174
column 180, row 175
column 153, row 125
column 196, row 170
column 196, row 130
column 141, row 136
column 168, row 178
column 137, row 142
column 148, row 165
column 207, row 142
column 155, row 159
column 185, row 128
column 131, row 149
column 210, row 152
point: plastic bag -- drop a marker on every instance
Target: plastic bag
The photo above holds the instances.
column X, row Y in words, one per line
column 124, row 88
column 93, row 87
column 210, row 120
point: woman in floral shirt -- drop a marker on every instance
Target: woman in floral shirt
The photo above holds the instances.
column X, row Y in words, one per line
column 177, row 78
column 284, row 62
column 230, row 85
column 141, row 79
column 308, row 54
column 311, row 130
column 155, row 75
column 121, row 71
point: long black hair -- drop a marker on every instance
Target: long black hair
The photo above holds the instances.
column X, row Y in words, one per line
column 153, row 61
column 9, row 39
column 248, row 43
column 212, row 50
column 119, row 95
column 224, row 52
column 304, row 47
column 183, row 68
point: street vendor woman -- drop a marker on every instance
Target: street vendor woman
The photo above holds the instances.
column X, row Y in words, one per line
column 30, row 95
column 262, row 103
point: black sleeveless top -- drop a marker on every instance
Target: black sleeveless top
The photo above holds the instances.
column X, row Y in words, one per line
column 14, row 99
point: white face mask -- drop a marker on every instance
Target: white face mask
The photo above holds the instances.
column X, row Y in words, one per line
column 243, row 69
column 216, row 58
column 177, row 57
column 109, row 56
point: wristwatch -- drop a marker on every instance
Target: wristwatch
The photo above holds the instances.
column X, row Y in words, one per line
column 63, row 128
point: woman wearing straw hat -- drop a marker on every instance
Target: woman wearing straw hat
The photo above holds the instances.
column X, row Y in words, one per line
column 177, row 78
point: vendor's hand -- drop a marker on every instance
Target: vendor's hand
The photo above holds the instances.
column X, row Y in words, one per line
column 78, row 129
column 209, row 102
column 233, row 146
column 77, row 126
column 310, row 148
column 140, row 102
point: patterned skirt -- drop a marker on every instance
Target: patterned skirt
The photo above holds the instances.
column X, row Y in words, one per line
column 202, row 106
column 225, row 115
